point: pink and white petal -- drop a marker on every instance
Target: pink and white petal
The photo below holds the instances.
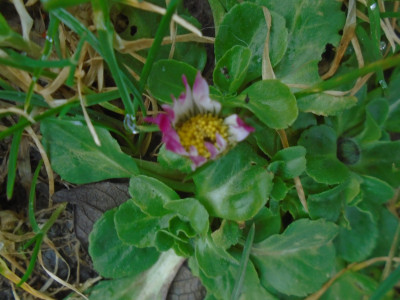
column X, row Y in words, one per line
column 197, row 159
column 238, row 130
column 173, row 142
column 201, row 96
column 184, row 105
column 212, row 149
column 221, row 142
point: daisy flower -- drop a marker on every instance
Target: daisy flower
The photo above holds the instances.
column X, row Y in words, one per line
column 193, row 127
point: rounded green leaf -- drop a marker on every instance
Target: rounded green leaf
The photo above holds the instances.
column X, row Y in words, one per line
column 357, row 236
column 376, row 190
column 289, row 162
column 165, row 79
column 112, row 257
column 150, row 195
column 135, row 227
column 236, row 186
column 191, row 210
column 271, row 101
column 322, row 164
column 230, row 71
column 245, row 25
column 298, row 261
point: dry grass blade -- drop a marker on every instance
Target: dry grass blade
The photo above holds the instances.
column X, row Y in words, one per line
column 348, row 33
column 267, row 70
column 17, row 111
column 46, row 161
column 26, row 20
column 157, row 9
column 132, row 46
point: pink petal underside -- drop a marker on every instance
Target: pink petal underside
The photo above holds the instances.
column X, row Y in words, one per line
column 221, row 142
column 212, row 149
column 184, row 104
column 201, row 96
column 197, row 159
column 238, row 130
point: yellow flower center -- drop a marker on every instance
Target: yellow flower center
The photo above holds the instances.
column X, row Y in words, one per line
column 199, row 129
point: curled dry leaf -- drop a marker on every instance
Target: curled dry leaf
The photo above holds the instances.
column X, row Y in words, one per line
column 90, row 202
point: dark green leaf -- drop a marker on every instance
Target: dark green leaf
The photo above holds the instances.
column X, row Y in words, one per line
column 271, row 101
column 322, row 164
column 266, row 223
column 289, row 163
column 245, row 25
column 112, row 257
column 236, row 186
column 230, row 71
column 165, row 79
column 212, row 260
column 135, row 227
column 150, row 195
column 357, row 236
column 192, row 211
column 227, row 234
column 382, row 160
column 75, row 156
column 298, row 261
column 149, row 285
column 350, row 285
column 376, row 190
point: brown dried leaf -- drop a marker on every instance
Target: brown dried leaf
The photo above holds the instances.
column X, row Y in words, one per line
column 90, row 202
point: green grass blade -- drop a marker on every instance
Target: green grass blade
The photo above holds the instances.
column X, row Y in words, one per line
column 76, row 26
column 353, row 75
column 32, row 262
column 20, row 97
column 155, row 47
column 31, row 205
column 237, row 290
column 12, row 163
column 386, row 285
column 52, row 4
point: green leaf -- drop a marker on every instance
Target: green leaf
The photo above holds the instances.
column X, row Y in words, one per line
column 271, row 101
column 227, row 234
column 230, row 71
column 112, row 257
column 350, row 285
column 380, row 159
column 325, row 105
column 174, row 161
column 376, row 190
column 322, row 164
column 298, row 261
column 192, row 211
column 279, row 189
column 166, row 78
column 387, row 226
column 221, row 287
column 236, row 186
column 77, row 159
column 329, row 204
column 148, row 285
column 245, row 25
column 357, row 236
column 289, row 163
column 212, row 260
column 150, row 195
column 135, row 227
column 266, row 223
column 371, row 131
column 311, row 25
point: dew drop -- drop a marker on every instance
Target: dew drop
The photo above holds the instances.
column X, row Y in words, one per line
column 383, row 84
column 49, row 39
column 372, row 6
column 163, row 69
column 130, row 124
column 382, row 45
